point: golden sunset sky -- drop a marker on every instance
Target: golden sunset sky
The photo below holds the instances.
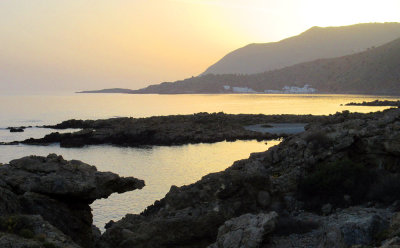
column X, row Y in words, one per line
column 70, row 45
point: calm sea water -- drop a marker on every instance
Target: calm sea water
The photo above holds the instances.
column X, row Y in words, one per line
column 160, row 167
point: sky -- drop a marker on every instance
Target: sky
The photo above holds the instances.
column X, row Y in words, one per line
column 53, row 46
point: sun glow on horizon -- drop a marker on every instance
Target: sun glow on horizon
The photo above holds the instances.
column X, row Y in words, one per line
column 95, row 44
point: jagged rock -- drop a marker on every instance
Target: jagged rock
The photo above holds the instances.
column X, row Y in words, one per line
column 354, row 227
column 174, row 130
column 245, row 231
column 342, row 144
column 73, row 219
column 351, row 227
column 343, row 148
column 185, row 228
column 70, row 180
column 31, row 231
column 60, row 191
column 9, row 203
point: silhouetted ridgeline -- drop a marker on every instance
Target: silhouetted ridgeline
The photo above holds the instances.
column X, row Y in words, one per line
column 375, row 71
column 315, row 43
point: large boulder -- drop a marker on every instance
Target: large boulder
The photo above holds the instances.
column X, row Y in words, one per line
column 354, row 226
column 71, row 180
column 60, row 192
column 245, row 231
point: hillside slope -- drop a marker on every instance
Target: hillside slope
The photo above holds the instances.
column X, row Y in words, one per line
column 315, row 43
column 375, row 71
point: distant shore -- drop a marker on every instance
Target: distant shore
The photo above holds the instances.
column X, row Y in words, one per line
column 138, row 92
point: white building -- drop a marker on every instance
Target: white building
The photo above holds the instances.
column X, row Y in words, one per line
column 243, row 90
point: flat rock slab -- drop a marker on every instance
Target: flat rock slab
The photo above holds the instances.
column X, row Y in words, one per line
column 278, row 128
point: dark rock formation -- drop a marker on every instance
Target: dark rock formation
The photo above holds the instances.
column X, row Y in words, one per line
column 31, row 231
column 16, row 130
column 175, row 129
column 384, row 103
column 334, row 185
column 347, row 161
column 71, row 180
column 58, row 191
column 345, row 228
column 247, row 231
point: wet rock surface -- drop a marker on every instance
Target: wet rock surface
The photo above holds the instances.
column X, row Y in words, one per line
column 56, row 193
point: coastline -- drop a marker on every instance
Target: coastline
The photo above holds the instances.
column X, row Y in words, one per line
column 270, row 188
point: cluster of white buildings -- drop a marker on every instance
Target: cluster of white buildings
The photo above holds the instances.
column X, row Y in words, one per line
column 306, row 89
column 239, row 89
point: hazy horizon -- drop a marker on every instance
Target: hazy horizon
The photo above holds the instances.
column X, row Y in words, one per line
column 66, row 46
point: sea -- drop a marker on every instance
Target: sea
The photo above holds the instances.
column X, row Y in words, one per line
column 160, row 166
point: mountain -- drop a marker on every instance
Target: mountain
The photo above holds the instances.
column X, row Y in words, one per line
column 315, row 43
column 113, row 90
column 375, row 71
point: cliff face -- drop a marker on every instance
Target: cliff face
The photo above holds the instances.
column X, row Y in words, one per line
column 315, row 43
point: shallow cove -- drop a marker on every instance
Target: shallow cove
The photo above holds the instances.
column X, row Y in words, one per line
column 159, row 166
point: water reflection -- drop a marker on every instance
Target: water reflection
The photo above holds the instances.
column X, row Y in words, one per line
column 160, row 167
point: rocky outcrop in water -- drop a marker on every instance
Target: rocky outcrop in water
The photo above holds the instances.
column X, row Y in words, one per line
column 334, row 185
column 16, row 130
column 375, row 103
column 353, row 162
column 174, row 130
column 46, row 200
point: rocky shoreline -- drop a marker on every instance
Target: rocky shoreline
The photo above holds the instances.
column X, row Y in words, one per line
column 380, row 103
column 45, row 201
column 173, row 130
column 335, row 185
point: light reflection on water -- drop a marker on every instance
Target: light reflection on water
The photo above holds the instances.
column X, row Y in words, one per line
column 7, row 136
column 159, row 166
column 39, row 110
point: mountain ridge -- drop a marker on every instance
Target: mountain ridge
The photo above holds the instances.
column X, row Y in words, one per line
column 375, row 71
column 314, row 43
